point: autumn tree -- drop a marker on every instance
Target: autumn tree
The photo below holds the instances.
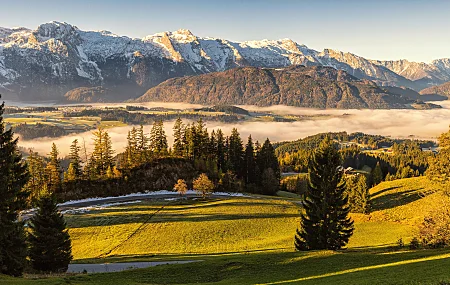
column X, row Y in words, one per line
column 180, row 187
column 203, row 185
column 439, row 165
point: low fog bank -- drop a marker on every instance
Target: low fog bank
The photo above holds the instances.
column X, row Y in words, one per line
column 422, row 124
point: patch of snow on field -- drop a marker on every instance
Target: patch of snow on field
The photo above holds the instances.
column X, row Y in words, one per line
column 83, row 210
column 146, row 194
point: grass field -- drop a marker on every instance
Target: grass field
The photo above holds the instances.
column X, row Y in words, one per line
column 250, row 241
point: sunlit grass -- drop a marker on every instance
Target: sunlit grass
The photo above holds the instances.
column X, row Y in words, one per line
column 250, row 241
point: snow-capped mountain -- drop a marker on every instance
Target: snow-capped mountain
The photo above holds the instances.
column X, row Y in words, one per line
column 56, row 57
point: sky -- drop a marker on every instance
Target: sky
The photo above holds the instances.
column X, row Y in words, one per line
column 380, row 29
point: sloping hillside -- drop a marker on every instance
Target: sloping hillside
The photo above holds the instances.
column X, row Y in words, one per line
column 312, row 87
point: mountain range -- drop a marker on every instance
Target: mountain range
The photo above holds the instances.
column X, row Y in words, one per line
column 55, row 58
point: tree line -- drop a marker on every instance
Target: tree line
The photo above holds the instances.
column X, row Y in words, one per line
column 227, row 162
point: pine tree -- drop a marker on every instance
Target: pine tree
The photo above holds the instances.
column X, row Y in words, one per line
column 50, row 244
column 324, row 223
column 142, row 146
column 250, row 162
column 220, row 150
column 236, row 153
column 13, row 198
column 158, row 139
column 37, row 180
column 178, row 133
column 266, row 158
column 358, row 193
column 269, row 182
column 74, row 158
column 377, row 174
column 71, row 173
column 53, row 171
column 102, row 156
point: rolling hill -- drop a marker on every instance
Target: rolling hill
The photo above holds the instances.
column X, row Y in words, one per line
column 312, row 87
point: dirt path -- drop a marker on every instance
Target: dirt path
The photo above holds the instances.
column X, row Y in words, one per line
column 121, row 266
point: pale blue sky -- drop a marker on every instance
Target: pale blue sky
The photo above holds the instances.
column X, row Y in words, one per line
column 382, row 29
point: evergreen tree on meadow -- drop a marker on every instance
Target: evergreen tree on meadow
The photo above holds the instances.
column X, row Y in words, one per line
column 324, row 223
column 13, row 198
column 358, row 193
column 50, row 244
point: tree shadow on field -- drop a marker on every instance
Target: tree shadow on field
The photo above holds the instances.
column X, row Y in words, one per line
column 161, row 217
column 379, row 193
column 393, row 200
column 289, row 267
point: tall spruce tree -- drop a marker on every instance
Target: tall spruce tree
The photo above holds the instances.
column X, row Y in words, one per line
column 158, row 139
column 377, row 174
column 220, row 150
column 324, row 223
column 53, row 171
column 50, row 244
column 236, row 153
column 102, row 156
column 266, row 158
column 178, row 133
column 250, row 162
column 74, row 158
column 13, row 198
column 35, row 185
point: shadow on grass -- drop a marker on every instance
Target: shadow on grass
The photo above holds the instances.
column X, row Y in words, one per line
column 393, row 200
column 112, row 220
column 316, row 267
column 175, row 213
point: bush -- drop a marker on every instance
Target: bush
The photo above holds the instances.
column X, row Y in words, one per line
column 434, row 231
column 414, row 244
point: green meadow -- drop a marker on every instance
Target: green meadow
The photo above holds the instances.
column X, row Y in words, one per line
column 249, row 240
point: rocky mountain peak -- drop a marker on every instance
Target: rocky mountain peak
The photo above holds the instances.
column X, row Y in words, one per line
column 56, row 30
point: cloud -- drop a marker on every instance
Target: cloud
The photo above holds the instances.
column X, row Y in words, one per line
column 423, row 124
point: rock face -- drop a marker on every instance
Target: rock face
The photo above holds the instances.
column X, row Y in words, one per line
column 56, row 57
column 317, row 87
